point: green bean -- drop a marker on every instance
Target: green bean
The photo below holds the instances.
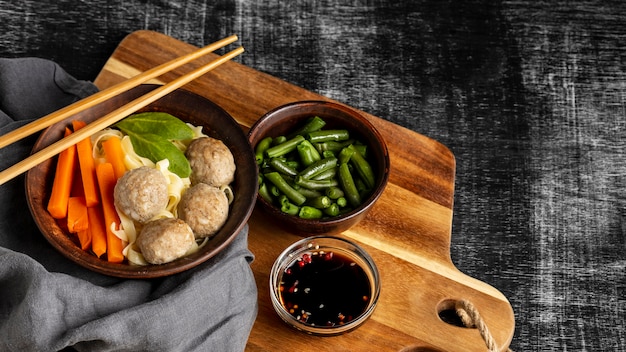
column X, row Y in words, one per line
column 290, row 208
column 328, row 135
column 326, row 174
column 313, row 124
column 345, row 154
column 361, row 148
column 320, row 202
column 293, row 195
column 315, row 184
column 263, row 145
column 264, row 192
column 318, row 167
column 274, row 191
column 279, row 140
column 332, row 210
column 332, row 146
column 349, row 187
column 342, row 202
column 294, row 164
column 307, row 152
column 282, row 199
column 284, row 148
column 282, row 166
column 307, row 212
column 334, row 192
column 328, row 154
column 309, row 193
column 362, row 167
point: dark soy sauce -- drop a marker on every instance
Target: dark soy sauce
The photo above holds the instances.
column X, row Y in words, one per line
column 325, row 289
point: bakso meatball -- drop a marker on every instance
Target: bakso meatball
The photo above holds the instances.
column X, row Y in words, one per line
column 164, row 240
column 141, row 193
column 204, row 208
column 211, row 162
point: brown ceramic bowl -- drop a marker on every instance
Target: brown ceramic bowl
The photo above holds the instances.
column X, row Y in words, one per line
column 188, row 107
column 285, row 119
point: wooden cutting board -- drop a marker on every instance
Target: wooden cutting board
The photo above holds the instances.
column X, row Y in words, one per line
column 407, row 232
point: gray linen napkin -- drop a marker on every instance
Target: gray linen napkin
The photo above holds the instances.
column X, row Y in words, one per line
column 48, row 303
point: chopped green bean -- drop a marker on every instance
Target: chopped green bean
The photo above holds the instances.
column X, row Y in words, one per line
column 279, row 140
column 345, row 155
column 263, row 145
column 282, row 166
column 328, row 154
column 332, row 146
column 307, row 152
column 349, row 187
column 313, row 124
column 334, row 192
column 328, row 135
column 332, row 210
column 274, row 191
column 293, row 195
column 284, row 148
column 315, row 184
column 326, row 174
column 320, row 202
column 342, row 202
column 318, row 167
column 309, row 193
column 361, row 148
column 362, row 167
column 265, row 193
column 307, row 212
column 290, row 208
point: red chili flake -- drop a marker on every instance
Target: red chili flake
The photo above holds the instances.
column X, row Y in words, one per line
column 328, row 256
column 301, row 264
column 288, row 271
column 306, row 258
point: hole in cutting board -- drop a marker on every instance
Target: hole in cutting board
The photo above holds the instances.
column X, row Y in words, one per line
column 447, row 313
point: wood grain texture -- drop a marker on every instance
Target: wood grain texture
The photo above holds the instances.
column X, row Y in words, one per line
column 528, row 95
column 409, row 246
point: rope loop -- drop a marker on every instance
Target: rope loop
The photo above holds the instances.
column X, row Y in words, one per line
column 471, row 318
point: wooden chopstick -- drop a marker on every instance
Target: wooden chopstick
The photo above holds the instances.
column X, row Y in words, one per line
column 112, row 118
column 106, row 94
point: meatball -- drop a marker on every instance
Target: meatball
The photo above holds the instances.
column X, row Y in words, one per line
column 164, row 240
column 204, row 208
column 211, row 162
column 141, row 193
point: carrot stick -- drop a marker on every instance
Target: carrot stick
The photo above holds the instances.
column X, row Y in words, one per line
column 97, row 228
column 84, row 238
column 62, row 185
column 87, row 166
column 106, row 181
column 77, row 218
column 114, row 155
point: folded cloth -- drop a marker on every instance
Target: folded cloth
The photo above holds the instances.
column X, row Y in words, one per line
column 48, row 303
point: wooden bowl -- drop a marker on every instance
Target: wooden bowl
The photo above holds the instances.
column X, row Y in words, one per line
column 285, row 119
column 188, row 107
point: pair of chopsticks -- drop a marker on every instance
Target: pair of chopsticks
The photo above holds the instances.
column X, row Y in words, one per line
column 115, row 115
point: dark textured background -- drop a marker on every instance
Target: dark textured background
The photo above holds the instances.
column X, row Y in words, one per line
column 530, row 96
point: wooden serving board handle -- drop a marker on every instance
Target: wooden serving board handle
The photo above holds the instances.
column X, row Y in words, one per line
column 407, row 232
